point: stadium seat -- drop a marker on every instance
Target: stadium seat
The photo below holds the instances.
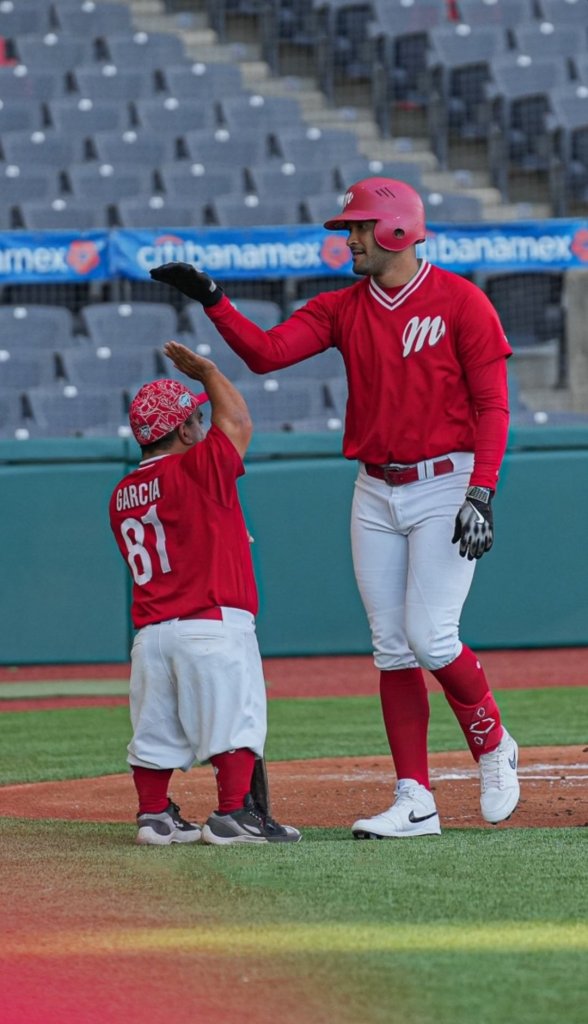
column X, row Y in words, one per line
column 217, row 148
column 518, row 98
column 506, row 13
column 104, row 183
column 144, row 51
column 289, row 182
column 452, row 206
column 350, row 171
column 251, row 112
column 253, row 211
column 544, row 40
column 58, row 52
column 568, row 127
column 287, row 404
column 563, row 12
column 315, row 146
column 100, row 366
column 206, row 337
column 323, row 367
column 132, row 147
column 147, row 324
column 63, row 214
column 19, row 115
column 160, row 212
column 22, row 368
column 321, row 207
column 529, row 306
column 174, row 117
column 24, row 17
column 38, row 326
column 49, row 148
column 458, row 67
column 399, row 38
column 345, row 52
column 111, row 82
column 19, row 183
column 18, row 82
column 84, row 116
column 93, row 20
column 202, row 80
column 182, row 181
column 69, row 411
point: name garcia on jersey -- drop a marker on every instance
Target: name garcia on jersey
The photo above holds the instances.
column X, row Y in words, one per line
column 134, row 495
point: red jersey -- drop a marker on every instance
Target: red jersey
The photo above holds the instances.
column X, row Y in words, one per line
column 178, row 523
column 425, row 365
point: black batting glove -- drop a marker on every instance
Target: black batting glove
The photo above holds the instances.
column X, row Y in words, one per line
column 474, row 523
column 191, row 282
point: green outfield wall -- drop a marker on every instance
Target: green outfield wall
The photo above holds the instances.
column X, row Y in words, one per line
column 64, row 591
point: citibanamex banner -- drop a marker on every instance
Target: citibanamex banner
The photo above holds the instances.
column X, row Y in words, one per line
column 279, row 252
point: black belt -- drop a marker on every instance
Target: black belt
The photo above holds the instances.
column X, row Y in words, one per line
column 396, row 476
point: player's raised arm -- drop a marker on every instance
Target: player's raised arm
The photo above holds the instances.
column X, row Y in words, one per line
column 229, row 409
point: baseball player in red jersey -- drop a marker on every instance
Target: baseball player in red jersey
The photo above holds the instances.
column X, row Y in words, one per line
column 427, row 420
column 197, row 691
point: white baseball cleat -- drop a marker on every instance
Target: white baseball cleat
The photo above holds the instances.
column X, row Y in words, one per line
column 413, row 813
column 500, row 789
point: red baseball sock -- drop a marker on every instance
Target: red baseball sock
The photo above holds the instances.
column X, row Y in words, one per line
column 405, row 707
column 468, row 695
column 151, row 785
column 233, row 770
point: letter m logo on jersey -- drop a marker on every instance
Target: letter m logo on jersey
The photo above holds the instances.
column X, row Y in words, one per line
column 419, row 333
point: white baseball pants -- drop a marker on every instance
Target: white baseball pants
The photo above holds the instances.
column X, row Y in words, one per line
column 411, row 578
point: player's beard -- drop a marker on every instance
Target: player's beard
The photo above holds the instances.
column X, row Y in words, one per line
column 371, row 264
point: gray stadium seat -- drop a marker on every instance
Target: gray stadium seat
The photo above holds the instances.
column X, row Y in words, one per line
column 203, row 329
column 202, row 80
column 133, row 146
column 564, row 12
column 287, row 404
column 219, row 147
column 253, row 211
column 140, row 50
column 350, row 171
column 253, row 112
column 321, row 207
column 148, row 324
column 171, row 116
column 86, row 117
column 568, row 126
column 315, row 146
column 345, row 53
column 58, row 52
column 458, row 67
column 182, row 180
column 36, row 326
column 452, row 206
column 63, row 214
column 529, row 306
column 506, row 13
column 48, row 147
column 110, row 82
column 18, row 82
column 69, row 411
column 542, row 40
column 158, row 212
column 24, row 17
column 288, row 182
column 18, row 183
column 105, row 183
column 19, row 115
column 93, row 20
column 22, row 368
column 323, row 367
column 100, row 366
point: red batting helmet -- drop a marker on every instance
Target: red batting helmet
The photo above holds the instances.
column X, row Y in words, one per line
column 397, row 209
column 159, row 407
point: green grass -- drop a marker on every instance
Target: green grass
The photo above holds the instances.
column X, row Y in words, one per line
column 81, row 742
column 470, row 928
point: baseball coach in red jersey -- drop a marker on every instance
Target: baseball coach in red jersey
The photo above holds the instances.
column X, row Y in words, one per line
column 197, row 691
column 427, row 420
